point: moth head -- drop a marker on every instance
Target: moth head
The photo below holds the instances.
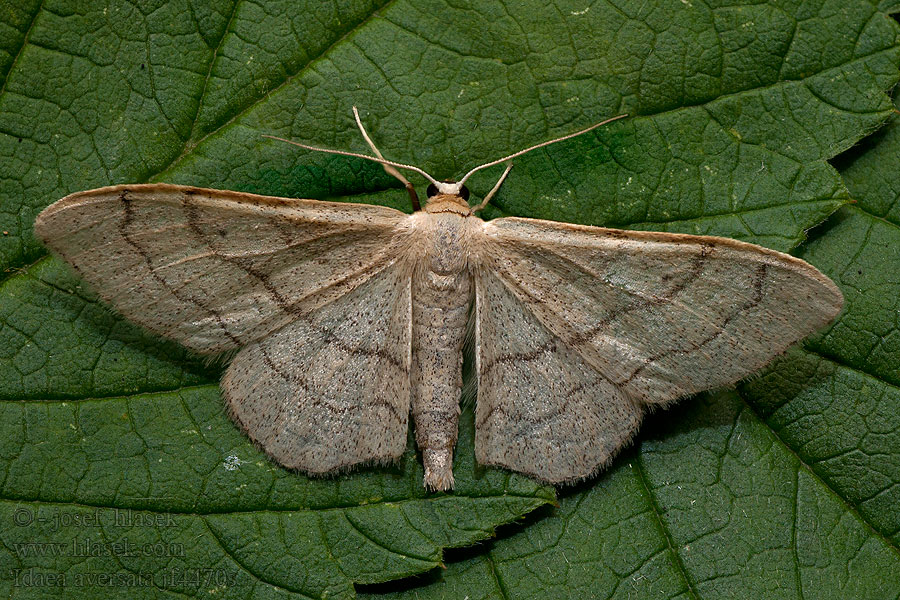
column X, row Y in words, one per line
column 447, row 194
column 447, row 187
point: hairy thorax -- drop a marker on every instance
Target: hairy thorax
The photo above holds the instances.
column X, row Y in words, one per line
column 446, row 229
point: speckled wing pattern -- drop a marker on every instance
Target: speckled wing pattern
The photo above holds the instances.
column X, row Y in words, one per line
column 213, row 269
column 315, row 292
column 331, row 390
column 580, row 329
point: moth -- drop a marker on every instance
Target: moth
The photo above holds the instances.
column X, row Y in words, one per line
column 347, row 318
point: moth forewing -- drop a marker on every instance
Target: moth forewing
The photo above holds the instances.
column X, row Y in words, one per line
column 214, row 269
column 351, row 317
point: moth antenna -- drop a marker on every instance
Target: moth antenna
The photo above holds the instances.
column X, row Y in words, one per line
column 358, row 155
column 536, row 146
column 390, row 170
column 494, row 189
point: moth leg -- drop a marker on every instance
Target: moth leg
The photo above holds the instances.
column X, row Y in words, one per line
column 494, row 189
column 413, row 197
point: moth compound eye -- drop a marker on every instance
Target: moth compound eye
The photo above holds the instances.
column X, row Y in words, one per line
column 464, row 193
column 431, row 191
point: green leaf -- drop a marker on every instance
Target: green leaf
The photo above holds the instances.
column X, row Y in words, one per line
column 111, row 438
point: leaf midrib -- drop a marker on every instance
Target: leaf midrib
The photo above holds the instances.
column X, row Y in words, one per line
column 538, row 500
